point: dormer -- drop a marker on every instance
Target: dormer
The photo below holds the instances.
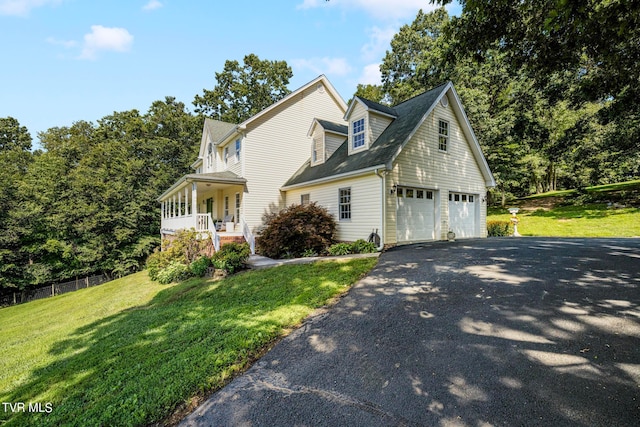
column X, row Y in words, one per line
column 366, row 121
column 212, row 135
column 326, row 137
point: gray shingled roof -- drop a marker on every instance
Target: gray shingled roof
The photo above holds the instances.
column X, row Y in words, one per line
column 218, row 129
column 334, row 127
column 382, row 151
column 378, row 107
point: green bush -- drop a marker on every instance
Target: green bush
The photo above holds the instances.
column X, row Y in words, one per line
column 498, row 228
column 156, row 262
column 309, row 253
column 361, row 246
column 174, row 272
column 199, row 267
column 340, row 249
column 297, row 229
column 231, row 257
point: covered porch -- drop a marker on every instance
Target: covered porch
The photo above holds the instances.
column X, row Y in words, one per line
column 210, row 202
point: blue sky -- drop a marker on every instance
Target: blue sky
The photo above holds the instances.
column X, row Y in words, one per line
column 70, row 60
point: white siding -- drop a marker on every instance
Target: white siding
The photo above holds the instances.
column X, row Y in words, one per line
column 365, row 204
column 421, row 164
column 332, row 142
column 377, row 125
column 276, row 145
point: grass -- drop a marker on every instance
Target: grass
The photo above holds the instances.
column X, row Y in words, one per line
column 620, row 186
column 593, row 220
column 131, row 352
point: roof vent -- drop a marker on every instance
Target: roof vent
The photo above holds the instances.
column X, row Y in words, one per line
column 444, row 101
column 320, row 87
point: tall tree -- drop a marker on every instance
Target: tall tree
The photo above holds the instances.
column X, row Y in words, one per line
column 243, row 91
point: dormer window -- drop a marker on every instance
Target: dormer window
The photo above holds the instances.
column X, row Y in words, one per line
column 358, row 133
column 210, row 155
column 226, row 154
column 238, row 145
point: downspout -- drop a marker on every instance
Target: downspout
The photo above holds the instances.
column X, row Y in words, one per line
column 382, row 177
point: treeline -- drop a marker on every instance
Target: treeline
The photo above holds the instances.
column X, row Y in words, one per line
column 86, row 202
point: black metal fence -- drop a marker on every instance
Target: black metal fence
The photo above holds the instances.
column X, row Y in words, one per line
column 19, row 297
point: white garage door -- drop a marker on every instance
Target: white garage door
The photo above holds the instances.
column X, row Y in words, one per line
column 462, row 214
column 415, row 214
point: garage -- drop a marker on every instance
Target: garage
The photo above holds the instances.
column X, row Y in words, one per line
column 462, row 214
column 416, row 214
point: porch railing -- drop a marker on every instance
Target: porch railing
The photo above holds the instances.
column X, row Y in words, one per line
column 204, row 222
column 248, row 235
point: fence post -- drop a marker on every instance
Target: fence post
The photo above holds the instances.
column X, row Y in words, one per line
column 86, row 279
column 53, row 289
column 14, row 298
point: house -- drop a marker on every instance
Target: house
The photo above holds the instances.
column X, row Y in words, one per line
column 412, row 172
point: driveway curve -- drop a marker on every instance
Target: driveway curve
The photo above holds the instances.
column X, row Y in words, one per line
column 527, row 332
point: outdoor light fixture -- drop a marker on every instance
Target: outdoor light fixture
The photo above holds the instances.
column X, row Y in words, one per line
column 393, row 189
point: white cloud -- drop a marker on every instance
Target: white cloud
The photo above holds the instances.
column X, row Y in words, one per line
column 325, row 65
column 379, row 42
column 67, row 44
column 105, row 39
column 384, row 10
column 371, row 75
column 23, row 7
column 152, row 5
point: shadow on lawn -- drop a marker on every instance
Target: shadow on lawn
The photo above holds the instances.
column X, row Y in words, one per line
column 135, row 367
column 491, row 332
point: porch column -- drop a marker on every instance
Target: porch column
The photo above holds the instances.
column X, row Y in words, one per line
column 186, row 201
column 162, row 210
column 194, row 198
column 173, row 206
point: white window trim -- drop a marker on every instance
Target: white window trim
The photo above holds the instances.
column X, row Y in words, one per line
column 340, row 204
column 238, row 149
column 308, row 197
column 226, row 155
column 364, row 133
column 447, row 137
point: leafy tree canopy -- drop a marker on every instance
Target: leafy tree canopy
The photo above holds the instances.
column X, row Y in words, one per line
column 243, row 91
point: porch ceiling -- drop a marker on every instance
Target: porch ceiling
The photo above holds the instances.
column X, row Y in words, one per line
column 204, row 181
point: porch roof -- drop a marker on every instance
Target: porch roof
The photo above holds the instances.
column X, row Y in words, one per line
column 225, row 177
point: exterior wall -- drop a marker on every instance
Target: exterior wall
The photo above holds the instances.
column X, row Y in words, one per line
column 365, row 204
column 331, row 143
column 421, row 164
column 377, row 125
column 276, row 145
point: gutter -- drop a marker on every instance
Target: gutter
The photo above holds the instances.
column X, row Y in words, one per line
column 333, row 178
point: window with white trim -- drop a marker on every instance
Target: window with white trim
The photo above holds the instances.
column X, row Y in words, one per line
column 226, row 206
column 305, row 199
column 226, row 154
column 210, row 155
column 238, row 146
column 357, row 128
column 443, row 135
column 344, row 203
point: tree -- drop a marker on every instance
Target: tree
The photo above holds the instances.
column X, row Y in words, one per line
column 243, row 91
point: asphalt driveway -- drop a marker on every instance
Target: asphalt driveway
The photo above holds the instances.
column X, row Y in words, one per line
column 531, row 331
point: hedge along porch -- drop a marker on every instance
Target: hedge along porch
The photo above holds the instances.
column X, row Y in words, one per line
column 210, row 202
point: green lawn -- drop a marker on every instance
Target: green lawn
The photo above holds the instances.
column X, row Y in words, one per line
column 131, row 351
column 595, row 220
column 620, row 186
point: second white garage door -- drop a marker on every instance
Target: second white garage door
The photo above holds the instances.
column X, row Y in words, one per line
column 462, row 214
column 416, row 214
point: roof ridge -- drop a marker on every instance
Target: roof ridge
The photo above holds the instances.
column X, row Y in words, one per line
column 422, row 93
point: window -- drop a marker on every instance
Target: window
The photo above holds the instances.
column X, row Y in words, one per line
column 400, row 192
column 420, row 194
column 470, row 199
column 464, row 197
column 238, row 145
column 226, row 154
column 226, row 206
column 210, row 155
column 344, row 204
column 304, row 199
column 316, row 154
column 456, row 197
column 410, row 192
column 443, row 135
column 237, row 212
column 358, row 133
column 430, row 195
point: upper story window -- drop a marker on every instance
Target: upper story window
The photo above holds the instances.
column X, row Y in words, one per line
column 305, row 199
column 238, row 145
column 316, row 149
column 358, row 133
column 210, row 155
column 226, row 154
column 443, row 135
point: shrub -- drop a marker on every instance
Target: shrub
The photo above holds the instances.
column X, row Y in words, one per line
column 498, row 228
column 309, row 253
column 188, row 245
column 199, row 267
column 174, row 272
column 156, row 262
column 231, row 257
column 296, row 229
column 340, row 249
column 361, row 246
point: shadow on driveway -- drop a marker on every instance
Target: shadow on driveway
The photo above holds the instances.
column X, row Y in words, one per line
column 525, row 331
